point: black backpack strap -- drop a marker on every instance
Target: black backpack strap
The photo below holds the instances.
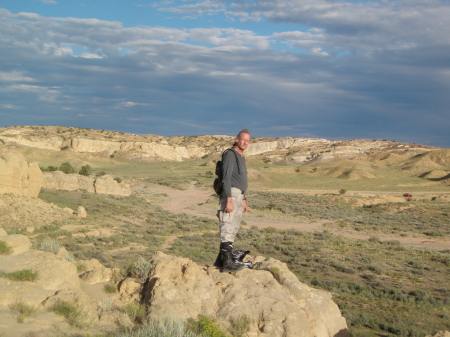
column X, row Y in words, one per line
column 235, row 154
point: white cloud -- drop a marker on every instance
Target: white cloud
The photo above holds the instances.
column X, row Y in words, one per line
column 48, row 2
column 9, row 106
column 198, row 9
column 14, row 76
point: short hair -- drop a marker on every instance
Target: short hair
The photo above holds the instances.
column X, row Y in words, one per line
column 243, row 131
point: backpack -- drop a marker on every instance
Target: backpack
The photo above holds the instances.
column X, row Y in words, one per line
column 218, row 184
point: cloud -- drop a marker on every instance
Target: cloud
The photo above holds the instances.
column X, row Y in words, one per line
column 48, row 2
column 367, row 26
column 331, row 75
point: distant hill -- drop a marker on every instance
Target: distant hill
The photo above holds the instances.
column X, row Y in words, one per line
column 348, row 159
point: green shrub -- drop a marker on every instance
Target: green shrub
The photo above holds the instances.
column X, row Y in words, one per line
column 205, row 326
column 240, row 325
column 22, row 310
column 140, row 270
column 5, row 249
column 85, row 170
column 110, row 288
column 50, row 245
column 160, row 328
column 20, row 275
column 71, row 311
column 277, row 273
column 81, row 267
column 49, row 168
column 136, row 312
column 67, row 168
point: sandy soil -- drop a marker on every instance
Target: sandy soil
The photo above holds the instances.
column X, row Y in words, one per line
column 182, row 201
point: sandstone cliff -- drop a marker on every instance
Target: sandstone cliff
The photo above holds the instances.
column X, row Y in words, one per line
column 17, row 176
column 306, row 155
column 156, row 148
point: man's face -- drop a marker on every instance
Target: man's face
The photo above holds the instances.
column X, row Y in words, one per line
column 242, row 141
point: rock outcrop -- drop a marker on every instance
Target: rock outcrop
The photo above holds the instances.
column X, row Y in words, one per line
column 274, row 300
column 17, row 176
column 277, row 303
column 105, row 184
column 155, row 148
column 18, row 242
column 21, row 212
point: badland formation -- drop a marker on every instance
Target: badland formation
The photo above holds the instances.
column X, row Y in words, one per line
column 270, row 295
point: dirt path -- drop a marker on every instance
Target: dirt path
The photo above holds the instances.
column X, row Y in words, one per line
column 181, row 201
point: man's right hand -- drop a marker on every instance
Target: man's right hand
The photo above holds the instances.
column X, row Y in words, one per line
column 230, row 207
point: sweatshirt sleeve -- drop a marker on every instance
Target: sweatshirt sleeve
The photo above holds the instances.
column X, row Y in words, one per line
column 228, row 163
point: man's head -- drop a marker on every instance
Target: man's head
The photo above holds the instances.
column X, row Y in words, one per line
column 243, row 138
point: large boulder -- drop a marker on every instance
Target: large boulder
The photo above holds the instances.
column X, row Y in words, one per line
column 18, row 242
column 276, row 302
column 54, row 272
column 70, row 182
column 17, row 176
column 105, row 184
column 108, row 185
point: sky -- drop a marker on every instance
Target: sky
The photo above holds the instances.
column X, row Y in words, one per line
column 331, row 69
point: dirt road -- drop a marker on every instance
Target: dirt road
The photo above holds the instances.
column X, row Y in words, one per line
column 181, row 201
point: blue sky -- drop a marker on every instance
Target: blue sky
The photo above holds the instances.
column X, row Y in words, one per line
column 281, row 68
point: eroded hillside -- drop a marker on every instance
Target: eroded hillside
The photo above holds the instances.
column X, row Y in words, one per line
column 347, row 159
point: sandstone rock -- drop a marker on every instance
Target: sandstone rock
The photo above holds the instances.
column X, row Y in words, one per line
column 95, row 272
column 107, row 185
column 96, row 275
column 54, row 272
column 88, row 307
column 68, row 210
column 129, row 290
column 70, row 182
column 81, row 212
column 18, row 242
column 30, row 293
column 3, row 232
column 17, row 176
column 91, row 264
column 21, row 211
column 278, row 305
column 440, row 334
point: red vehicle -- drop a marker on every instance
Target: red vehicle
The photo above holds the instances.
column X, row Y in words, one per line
column 407, row 195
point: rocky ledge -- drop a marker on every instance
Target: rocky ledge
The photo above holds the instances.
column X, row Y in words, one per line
column 270, row 296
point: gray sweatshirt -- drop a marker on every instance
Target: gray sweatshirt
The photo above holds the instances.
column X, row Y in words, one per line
column 232, row 175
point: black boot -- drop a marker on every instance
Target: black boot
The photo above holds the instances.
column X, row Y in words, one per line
column 226, row 254
column 237, row 255
column 219, row 262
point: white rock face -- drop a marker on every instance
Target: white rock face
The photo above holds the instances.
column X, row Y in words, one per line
column 278, row 305
column 71, row 182
column 17, row 176
column 107, row 185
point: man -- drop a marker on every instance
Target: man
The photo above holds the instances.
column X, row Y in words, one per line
column 232, row 201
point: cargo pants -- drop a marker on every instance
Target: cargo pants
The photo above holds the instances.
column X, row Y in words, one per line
column 230, row 223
